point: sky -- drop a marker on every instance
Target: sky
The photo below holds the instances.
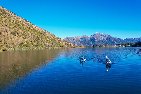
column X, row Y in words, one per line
column 64, row 18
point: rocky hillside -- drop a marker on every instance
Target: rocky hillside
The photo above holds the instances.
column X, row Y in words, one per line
column 99, row 39
column 18, row 33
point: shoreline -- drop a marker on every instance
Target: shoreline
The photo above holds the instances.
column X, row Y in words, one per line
column 48, row 48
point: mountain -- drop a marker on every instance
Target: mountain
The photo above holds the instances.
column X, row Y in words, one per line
column 79, row 40
column 132, row 40
column 104, row 39
column 99, row 39
column 18, row 33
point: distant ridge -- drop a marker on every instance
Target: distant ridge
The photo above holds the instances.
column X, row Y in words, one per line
column 98, row 39
column 18, row 33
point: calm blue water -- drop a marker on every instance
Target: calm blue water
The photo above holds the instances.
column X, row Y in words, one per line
column 65, row 74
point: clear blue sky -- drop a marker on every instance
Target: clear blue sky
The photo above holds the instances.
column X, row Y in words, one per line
column 119, row 18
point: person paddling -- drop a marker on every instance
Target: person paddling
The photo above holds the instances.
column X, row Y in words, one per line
column 108, row 60
column 108, row 63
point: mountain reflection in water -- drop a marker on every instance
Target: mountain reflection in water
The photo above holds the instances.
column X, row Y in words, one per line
column 74, row 71
column 15, row 64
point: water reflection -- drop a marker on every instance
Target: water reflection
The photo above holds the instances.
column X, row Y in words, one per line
column 16, row 64
column 139, row 52
column 109, row 56
column 108, row 66
column 66, row 76
column 107, row 61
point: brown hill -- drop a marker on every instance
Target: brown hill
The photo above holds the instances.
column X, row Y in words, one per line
column 18, row 33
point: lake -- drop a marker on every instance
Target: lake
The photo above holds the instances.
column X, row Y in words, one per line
column 61, row 71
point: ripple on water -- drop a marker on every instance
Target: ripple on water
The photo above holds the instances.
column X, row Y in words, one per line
column 65, row 74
